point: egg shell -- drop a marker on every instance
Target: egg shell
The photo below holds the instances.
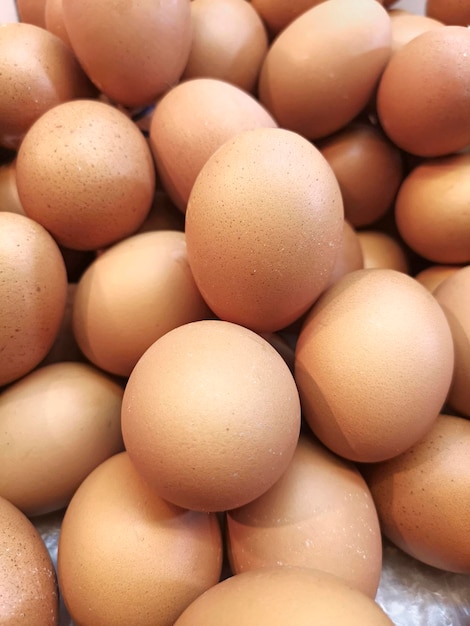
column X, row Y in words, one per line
column 137, row 290
column 127, row 557
column 309, row 89
column 278, row 14
column 54, row 18
column 191, row 121
column 453, row 294
column 423, row 100
column 382, row 250
column 455, row 12
column 263, row 227
column 350, row 257
column 31, row 11
column 433, row 275
column 319, row 514
column 48, row 418
column 85, row 172
column 229, row 42
column 33, row 292
column 422, row 496
column 406, row 26
column 211, row 415
column 9, row 198
column 163, row 215
column 27, row 576
column 374, row 363
column 133, row 52
column 37, row 72
column 283, row 595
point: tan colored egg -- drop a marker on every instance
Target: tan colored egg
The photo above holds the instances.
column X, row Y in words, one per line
column 65, row 347
column 374, row 363
column 423, row 101
column 190, row 122
column 133, row 52
column 33, row 291
column 9, row 199
column 382, row 250
column 55, row 22
column 422, row 496
column 85, row 172
column 277, row 14
column 319, row 514
column 350, row 257
column 37, row 72
column 126, row 556
column 432, row 212
column 449, row 11
column 264, row 227
column 31, row 11
column 57, row 424
column 369, row 170
column 322, row 70
column 229, row 42
column 137, row 290
column 27, row 576
column 433, row 275
column 406, row 26
column 283, row 595
column 453, row 294
column 211, row 415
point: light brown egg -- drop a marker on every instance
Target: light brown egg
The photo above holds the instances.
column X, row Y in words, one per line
column 423, row 101
column 283, row 595
column 9, row 199
column 453, row 294
column 37, row 72
column 31, row 11
column 382, row 250
column 133, row 52
column 277, row 14
column 229, row 42
column 163, row 215
column 27, row 576
column 350, row 257
column 137, row 290
column 432, row 212
column 190, row 122
column 449, row 11
column 369, row 170
column 128, row 557
column 433, row 275
column 422, row 496
column 85, row 172
column 374, row 363
column 322, row 70
column 57, row 424
column 55, row 22
column 264, row 227
column 211, row 415
column 319, row 514
column 406, row 26
column 33, row 291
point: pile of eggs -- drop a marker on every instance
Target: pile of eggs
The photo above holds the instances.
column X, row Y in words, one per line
column 234, row 306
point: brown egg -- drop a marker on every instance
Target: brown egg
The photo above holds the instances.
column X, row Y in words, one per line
column 85, row 172
column 422, row 496
column 277, row 14
column 33, row 291
column 432, row 212
column 131, row 52
column 31, row 11
column 453, row 294
column 350, row 255
column 433, row 275
column 449, row 11
column 128, row 557
column 136, row 291
column 283, row 595
column 229, row 42
column 322, row 70
column 382, row 250
column 319, row 514
column 423, row 101
column 406, row 26
column 9, row 199
column 369, row 170
column 264, row 226
column 190, row 122
column 37, row 72
column 163, row 215
column 374, row 363
column 211, row 415
column 55, row 22
column 27, row 576
column 48, row 419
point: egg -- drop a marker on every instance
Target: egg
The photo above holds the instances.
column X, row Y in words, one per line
column 455, row 12
column 126, row 556
column 137, row 290
column 263, row 227
column 27, row 576
column 65, row 347
column 319, row 514
column 382, row 250
column 9, row 199
column 406, row 26
column 422, row 496
column 54, row 18
column 31, row 11
column 210, row 415
column 33, row 293
column 321, row 71
column 374, row 363
column 280, row 13
column 350, row 256
column 85, row 172
column 283, row 595
column 433, row 275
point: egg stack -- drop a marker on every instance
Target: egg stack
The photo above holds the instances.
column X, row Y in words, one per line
column 235, row 306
